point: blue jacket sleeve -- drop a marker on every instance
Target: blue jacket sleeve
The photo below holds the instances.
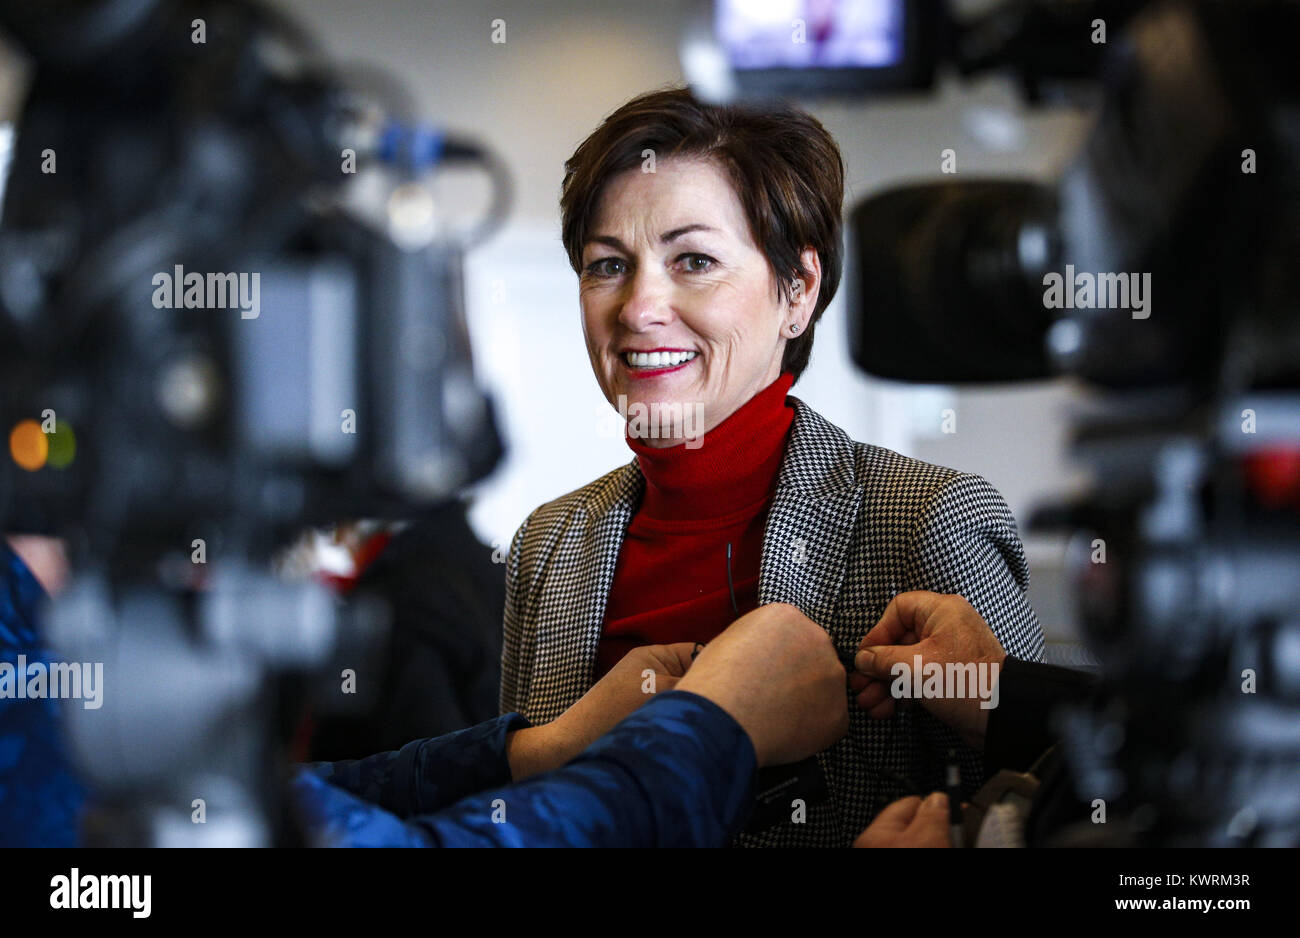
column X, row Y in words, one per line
column 428, row 775
column 679, row 772
column 40, row 795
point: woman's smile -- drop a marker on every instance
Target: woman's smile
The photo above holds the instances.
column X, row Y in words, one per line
column 650, row 363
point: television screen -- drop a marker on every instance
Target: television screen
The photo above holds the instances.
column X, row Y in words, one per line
column 821, row 34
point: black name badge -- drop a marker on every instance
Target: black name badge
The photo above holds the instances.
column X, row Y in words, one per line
column 779, row 785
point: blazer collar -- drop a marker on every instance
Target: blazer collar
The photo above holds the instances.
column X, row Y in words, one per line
column 805, row 546
column 810, row 522
column 819, row 462
column 812, row 518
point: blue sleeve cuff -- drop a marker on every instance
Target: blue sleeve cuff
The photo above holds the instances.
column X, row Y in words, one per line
column 427, row 775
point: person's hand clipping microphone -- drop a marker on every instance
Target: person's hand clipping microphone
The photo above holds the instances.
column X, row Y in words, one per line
column 940, row 629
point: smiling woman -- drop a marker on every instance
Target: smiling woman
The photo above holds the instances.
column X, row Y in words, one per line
column 707, row 243
column 685, row 314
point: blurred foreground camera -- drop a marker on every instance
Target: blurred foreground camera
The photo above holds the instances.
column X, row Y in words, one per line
column 1160, row 271
column 206, row 343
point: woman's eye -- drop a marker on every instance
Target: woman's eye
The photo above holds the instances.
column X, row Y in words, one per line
column 697, row 263
column 601, row 269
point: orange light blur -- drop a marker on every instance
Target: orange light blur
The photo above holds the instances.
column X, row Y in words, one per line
column 28, row 445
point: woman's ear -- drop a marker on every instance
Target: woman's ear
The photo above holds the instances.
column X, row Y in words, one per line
column 805, row 288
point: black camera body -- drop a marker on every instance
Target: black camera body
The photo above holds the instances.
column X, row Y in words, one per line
column 1159, row 271
column 202, row 351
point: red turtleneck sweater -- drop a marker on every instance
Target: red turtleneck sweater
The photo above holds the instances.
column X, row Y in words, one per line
column 670, row 584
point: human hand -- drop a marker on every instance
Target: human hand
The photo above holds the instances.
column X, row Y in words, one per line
column 640, row 674
column 939, row 628
column 910, row 822
column 775, row 672
column 45, row 557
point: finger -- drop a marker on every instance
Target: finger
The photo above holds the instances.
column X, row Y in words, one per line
column 873, row 695
column 858, row 682
column 937, row 801
column 906, row 612
column 889, row 824
column 878, row 661
column 676, row 658
column 889, row 629
column 876, row 706
column 876, row 693
column 929, row 828
column 883, row 710
column 899, row 814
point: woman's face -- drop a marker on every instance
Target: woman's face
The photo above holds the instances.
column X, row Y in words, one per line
column 679, row 306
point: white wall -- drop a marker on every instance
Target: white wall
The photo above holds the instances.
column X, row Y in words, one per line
column 564, row 66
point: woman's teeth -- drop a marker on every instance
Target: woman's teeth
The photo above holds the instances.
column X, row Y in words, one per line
column 657, row 359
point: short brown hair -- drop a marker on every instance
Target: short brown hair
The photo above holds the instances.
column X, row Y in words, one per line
column 784, row 166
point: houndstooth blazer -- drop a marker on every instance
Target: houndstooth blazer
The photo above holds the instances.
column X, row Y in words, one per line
column 849, row 526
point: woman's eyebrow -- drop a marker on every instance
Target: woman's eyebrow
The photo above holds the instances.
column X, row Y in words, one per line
column 665, row 238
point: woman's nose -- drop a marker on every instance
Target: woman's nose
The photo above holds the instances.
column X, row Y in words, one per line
column 646, row 302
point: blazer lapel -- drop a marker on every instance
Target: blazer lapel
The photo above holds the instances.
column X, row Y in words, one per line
column 572, row 615
column 811, row 519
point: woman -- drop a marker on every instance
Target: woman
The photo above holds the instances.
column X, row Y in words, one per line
column 707, row 245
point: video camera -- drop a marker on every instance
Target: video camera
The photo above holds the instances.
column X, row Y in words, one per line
column 1159, row 271
column 207, row 344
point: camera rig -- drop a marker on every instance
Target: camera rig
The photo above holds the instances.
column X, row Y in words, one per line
column 205, row 346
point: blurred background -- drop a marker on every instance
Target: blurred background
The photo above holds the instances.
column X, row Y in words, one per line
column 564, row 66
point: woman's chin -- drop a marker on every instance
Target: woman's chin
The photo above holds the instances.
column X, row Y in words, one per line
column 660, row 442
column 662, row 420
column 640, row 398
